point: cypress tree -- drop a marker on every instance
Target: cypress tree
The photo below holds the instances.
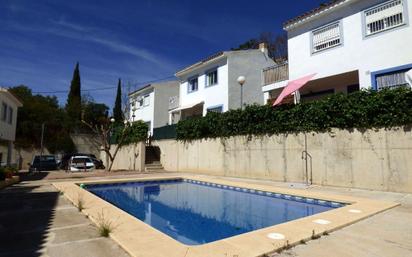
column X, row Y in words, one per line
column 73, row 106
column 117, row 110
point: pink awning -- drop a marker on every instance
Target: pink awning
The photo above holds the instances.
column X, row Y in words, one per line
column 292, row 87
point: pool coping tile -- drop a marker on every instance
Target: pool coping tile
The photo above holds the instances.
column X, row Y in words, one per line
column 140, row 239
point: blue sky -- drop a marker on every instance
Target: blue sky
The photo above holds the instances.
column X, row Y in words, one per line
column 136, row 40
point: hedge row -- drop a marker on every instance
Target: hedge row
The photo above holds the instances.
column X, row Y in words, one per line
column 360, row 110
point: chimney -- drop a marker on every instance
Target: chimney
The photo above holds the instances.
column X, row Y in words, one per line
column 264, row 48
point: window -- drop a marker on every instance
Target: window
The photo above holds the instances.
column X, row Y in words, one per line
column 391, row 80
column 217, row 109
column 326, row 37
column 4, row 112
column 385, row 16
column 352, row 88
column 211, row 78
column 193, row 85
column 146, row 100
column 139, row 102
column 10, row 117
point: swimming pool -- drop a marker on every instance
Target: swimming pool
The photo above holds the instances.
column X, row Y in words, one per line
column 195, row 212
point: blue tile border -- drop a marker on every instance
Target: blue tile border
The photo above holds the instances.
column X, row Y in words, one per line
column 270, row 194
column 227, row 187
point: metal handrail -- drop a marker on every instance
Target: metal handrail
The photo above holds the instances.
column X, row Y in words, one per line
column 305, row 156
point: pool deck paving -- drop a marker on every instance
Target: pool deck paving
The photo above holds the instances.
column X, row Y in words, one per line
column 36, row 220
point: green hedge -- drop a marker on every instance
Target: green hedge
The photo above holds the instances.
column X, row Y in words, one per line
column 136, row 132
column 360, row 110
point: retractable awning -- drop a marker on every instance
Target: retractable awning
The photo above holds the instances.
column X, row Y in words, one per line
column 189, row 106
column 292, row 87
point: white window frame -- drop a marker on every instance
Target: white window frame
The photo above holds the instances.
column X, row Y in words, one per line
column 332, row 24
column 4, row 108
column 146, row 103
column 190, row 86
column 364, row 15
column 399, row 80
column 10, row 115
column 207, row 77
column 139, row 102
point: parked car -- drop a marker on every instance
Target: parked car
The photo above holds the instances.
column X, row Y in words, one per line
column 64, row 162
column 43, row 163
column 81, row 163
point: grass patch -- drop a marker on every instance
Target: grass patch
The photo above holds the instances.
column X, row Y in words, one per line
column 314, row 236
column 104, row 225
column 80, row 203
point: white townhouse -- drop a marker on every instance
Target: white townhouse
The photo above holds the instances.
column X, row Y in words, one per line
column 8, row 121
column 212, row 84
column 349, row 44
column 151, row 103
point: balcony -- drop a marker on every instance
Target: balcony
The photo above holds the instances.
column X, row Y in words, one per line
column 275, row 74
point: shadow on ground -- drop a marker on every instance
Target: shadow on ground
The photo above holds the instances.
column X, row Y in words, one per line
column 26, row 214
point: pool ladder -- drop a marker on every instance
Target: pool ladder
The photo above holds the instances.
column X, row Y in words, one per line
column 305, row 157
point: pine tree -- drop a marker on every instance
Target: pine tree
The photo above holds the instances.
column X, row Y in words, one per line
column 117, row 110
column 73, row 106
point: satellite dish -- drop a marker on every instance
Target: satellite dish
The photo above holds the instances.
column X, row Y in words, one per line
column 408, row 77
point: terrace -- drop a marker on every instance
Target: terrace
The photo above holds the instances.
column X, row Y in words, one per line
column 275, row 74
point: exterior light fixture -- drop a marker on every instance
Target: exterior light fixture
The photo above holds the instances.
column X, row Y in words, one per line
column 241, row 80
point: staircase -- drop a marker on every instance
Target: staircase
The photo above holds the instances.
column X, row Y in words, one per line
column 154, row 167
column 152, row 161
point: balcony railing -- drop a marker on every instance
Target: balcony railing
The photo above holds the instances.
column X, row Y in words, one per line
column 275, row 74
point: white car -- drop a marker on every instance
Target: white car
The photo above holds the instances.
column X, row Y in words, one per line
column 81, row 163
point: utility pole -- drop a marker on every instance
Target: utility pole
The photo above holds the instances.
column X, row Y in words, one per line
column 41, row 146
column 41, row 142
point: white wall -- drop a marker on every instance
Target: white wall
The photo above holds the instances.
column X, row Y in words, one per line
column 129, row 157
column 7, row 131
column 373, row 53
column 371, row 159
column 145, row 113
column 211, row 96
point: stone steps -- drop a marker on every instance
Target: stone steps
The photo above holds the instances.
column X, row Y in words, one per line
column 154, row 167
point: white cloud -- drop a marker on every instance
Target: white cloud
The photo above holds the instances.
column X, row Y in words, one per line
column 66, row 29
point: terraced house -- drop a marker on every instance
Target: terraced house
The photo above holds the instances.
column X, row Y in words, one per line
column 349, row 44
column 8, row 120
column 152, row 102
column 211, row 85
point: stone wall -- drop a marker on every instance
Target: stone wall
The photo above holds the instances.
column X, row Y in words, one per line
column 130, row 157
column 86, row 143
column 23, row 156
column 374, row 159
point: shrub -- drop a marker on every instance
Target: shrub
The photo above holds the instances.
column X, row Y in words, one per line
column 2, row 174
column 364, row 109
column 135, row 132
column 6, row 172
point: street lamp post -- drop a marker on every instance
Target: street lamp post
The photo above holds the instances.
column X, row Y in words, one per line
column 241, row 80
column 133, row 116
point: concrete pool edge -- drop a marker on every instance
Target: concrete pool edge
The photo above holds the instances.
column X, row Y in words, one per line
column 140, row 239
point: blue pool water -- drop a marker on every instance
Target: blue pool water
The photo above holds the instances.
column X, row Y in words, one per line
column 194, row 212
